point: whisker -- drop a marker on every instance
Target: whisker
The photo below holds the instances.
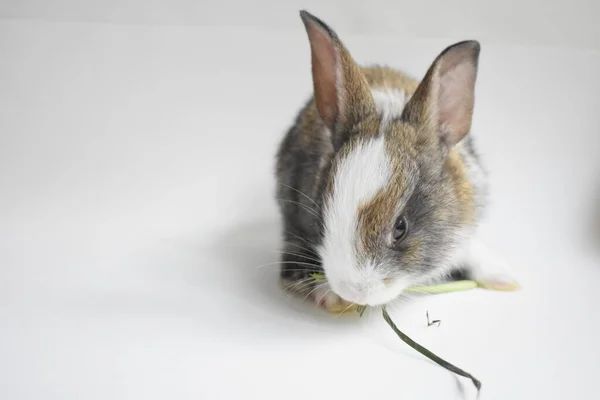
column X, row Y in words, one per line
column 300, row 285
column 299, row 269
column 296, row 254
column 316, row 267
column 304, row 206
column 301, row 247
column 313, row 289
column 303, row 194
column 292, row 292
column 298, row 282
column 299, row 237
column 308, row 242
column 295, row 285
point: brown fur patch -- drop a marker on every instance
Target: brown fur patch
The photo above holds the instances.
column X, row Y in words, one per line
column 380, row 77
column 376, row 217
column 376, row 220
column 462, row 185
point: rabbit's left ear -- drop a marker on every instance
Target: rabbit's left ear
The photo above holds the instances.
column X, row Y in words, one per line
column 342, row 94
column 445, row 98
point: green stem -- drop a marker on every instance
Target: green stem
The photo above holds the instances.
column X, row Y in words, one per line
column 428, row 353
column 447, row 287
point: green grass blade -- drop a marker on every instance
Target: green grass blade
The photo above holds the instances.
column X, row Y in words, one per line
column 446, row 287
column 428, row 353
column 318, row 277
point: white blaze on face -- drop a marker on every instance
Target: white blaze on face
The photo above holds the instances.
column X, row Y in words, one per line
column 363, row 173
column 359, row 177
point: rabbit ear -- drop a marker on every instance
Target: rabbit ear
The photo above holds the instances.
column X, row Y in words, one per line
column 445, row 98
column 342, row 93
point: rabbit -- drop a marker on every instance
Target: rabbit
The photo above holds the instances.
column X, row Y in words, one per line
column 378, row 180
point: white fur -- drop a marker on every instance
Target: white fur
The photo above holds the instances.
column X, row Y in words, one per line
column 487, row 267
column 389, row 103
column 359, row 177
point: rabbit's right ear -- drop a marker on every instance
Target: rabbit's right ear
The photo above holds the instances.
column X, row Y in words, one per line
column 342, row 93
column 444, row 101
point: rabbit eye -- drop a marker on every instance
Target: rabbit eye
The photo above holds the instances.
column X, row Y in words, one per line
column 401, row 229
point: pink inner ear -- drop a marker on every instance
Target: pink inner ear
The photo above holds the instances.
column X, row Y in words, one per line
column 456, row 96
column 324, row 67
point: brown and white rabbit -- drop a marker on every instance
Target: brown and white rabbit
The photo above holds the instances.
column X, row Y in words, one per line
column 378, row 181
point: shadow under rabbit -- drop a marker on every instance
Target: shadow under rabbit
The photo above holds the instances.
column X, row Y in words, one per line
column 252, row 254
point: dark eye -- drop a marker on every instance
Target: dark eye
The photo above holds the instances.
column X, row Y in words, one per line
column 401, row 229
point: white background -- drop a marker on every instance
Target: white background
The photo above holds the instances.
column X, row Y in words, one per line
column 137, row 144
